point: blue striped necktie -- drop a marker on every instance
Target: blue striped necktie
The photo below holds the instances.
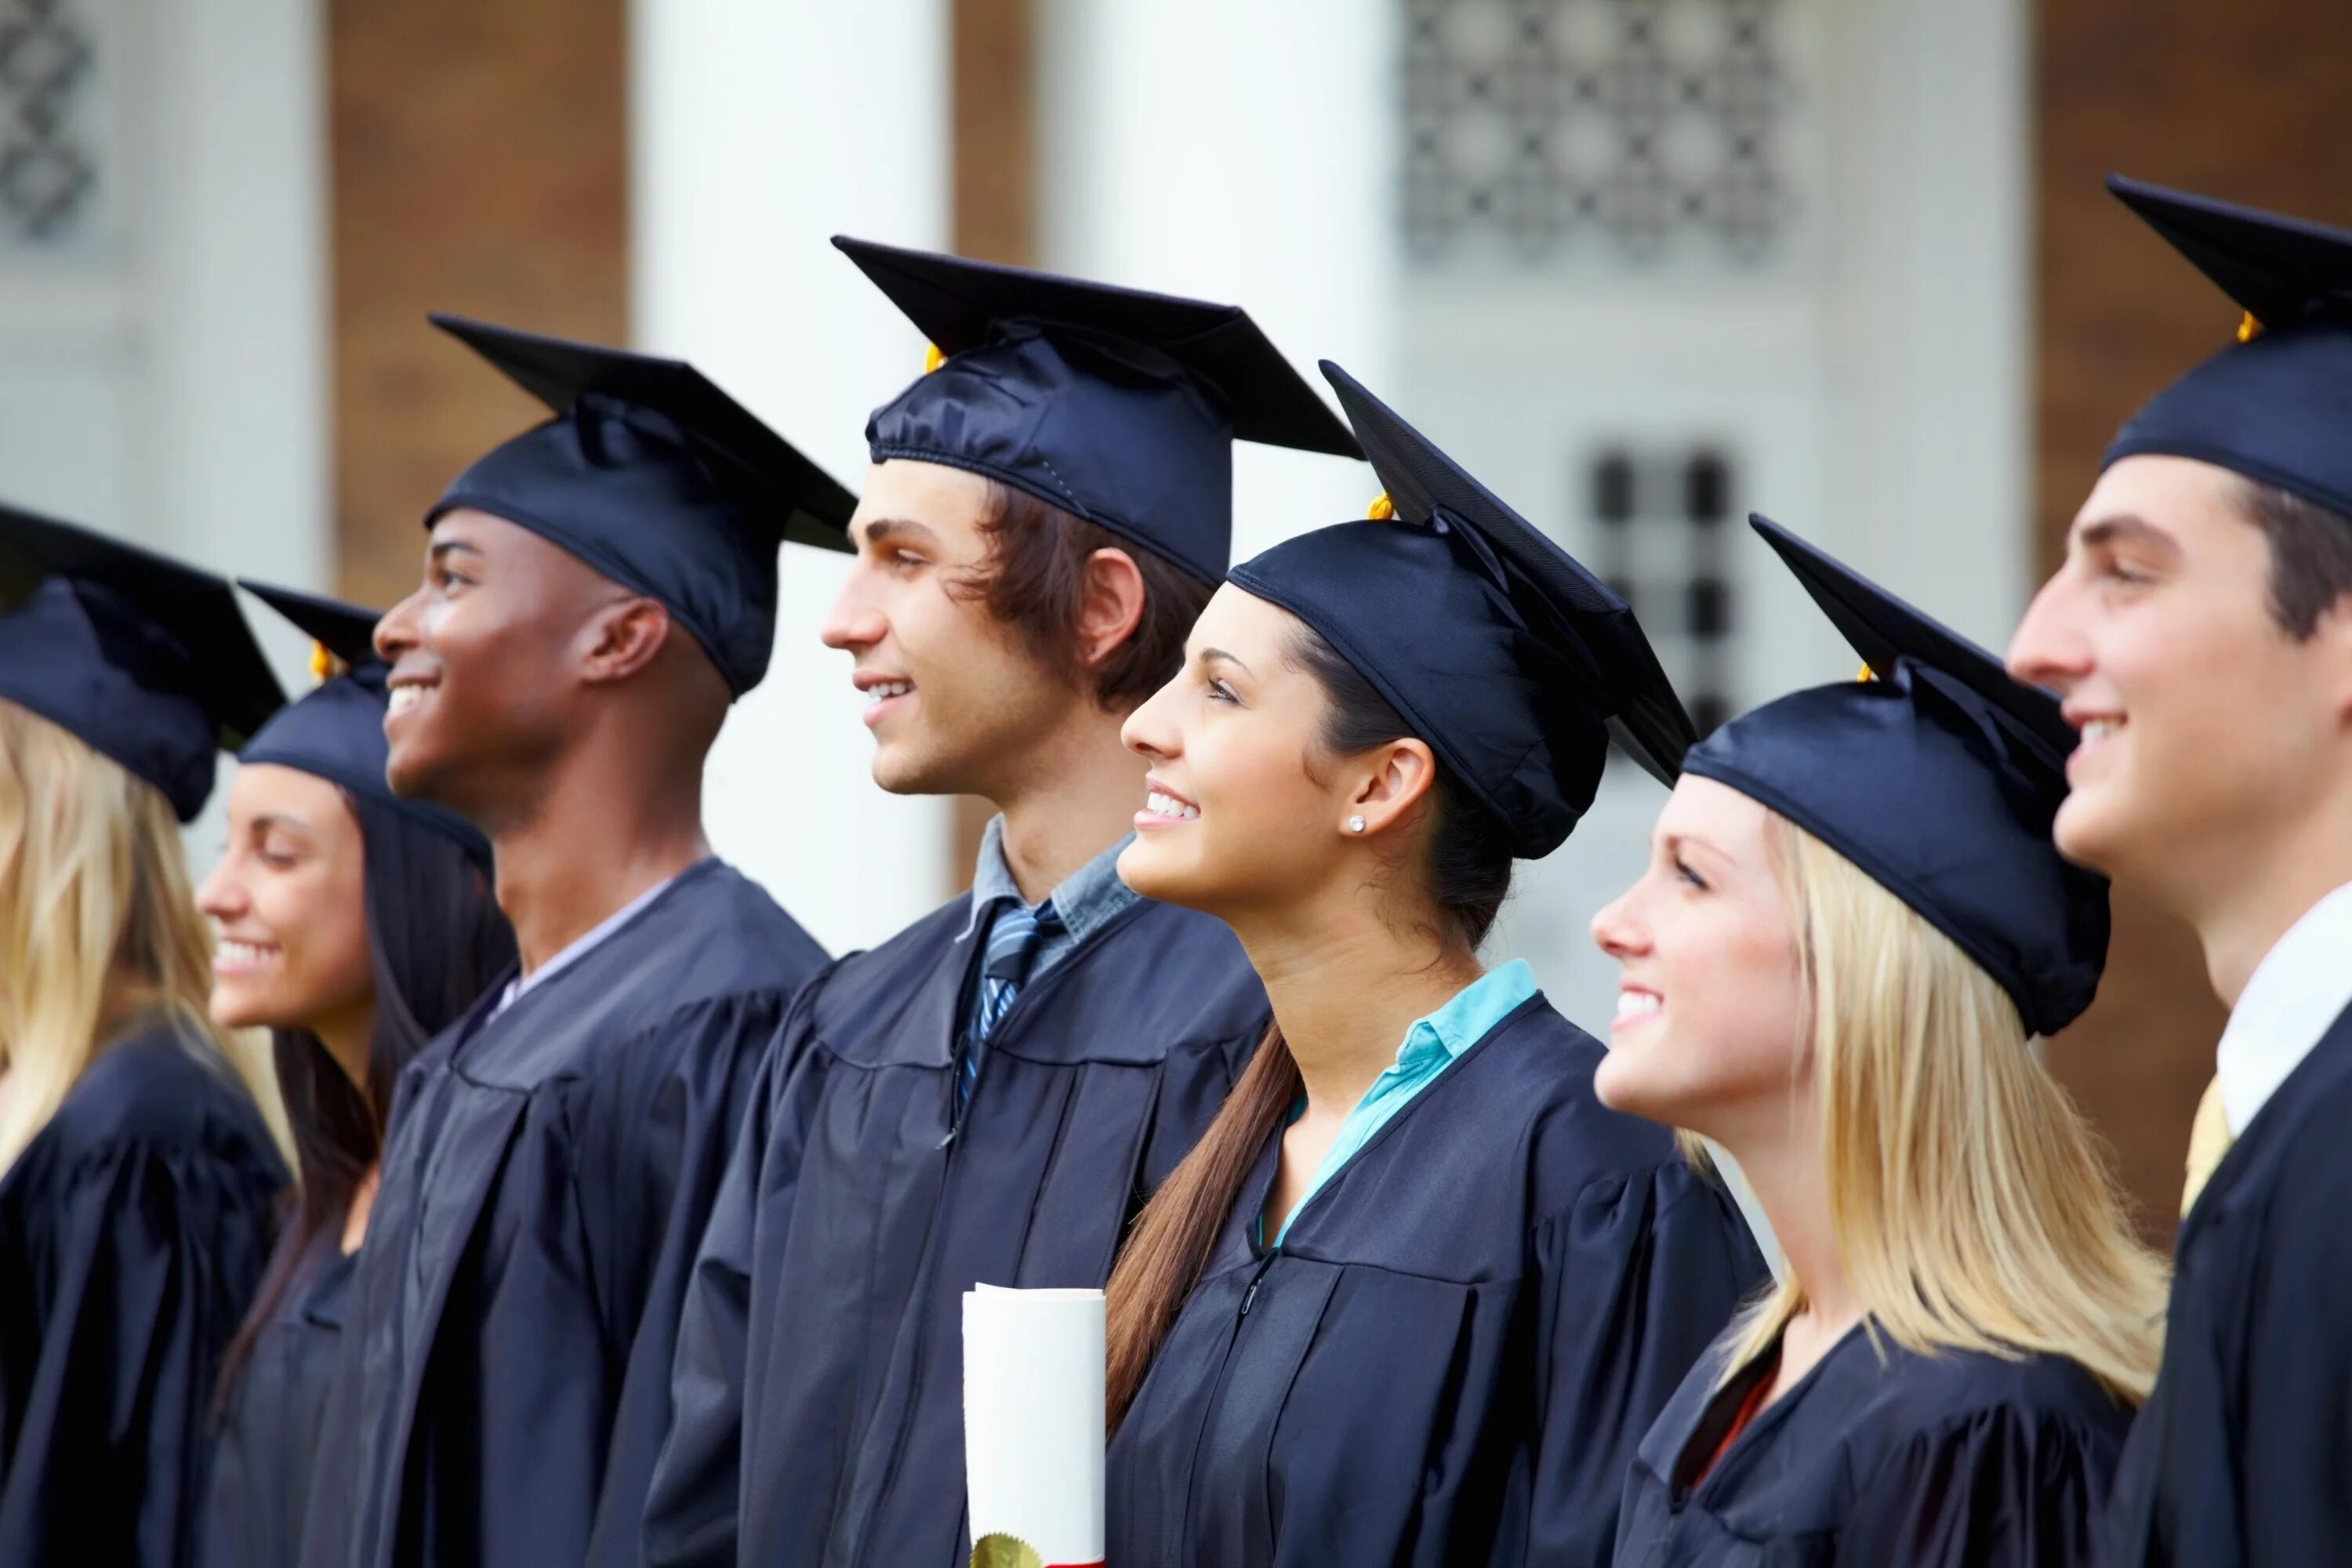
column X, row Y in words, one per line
column 1014, row 939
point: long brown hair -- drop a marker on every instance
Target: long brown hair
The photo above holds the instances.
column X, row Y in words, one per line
column 1466, row 878
column 436, row 941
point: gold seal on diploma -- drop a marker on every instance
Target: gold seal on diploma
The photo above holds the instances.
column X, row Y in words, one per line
column 1004, row 1552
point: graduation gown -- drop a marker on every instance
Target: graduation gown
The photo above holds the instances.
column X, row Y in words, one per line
column 134, row 1230
column 503, row 1381
column 1958, row 1460
column 266, row 1444
column 819, row 1390
column 1454, row 1350
column 2244, row 1454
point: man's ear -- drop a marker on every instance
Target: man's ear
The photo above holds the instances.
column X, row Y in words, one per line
column 623, row 637
column 1111, row 606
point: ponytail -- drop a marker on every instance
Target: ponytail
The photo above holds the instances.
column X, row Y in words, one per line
column 1178, row 1228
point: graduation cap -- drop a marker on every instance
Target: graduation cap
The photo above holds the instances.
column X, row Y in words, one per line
column 1514, row 663
column 336, row 731
column 656, row 477
column 2275, row 406
column 1939, row 778
column 1115, row 404
column 144, row 659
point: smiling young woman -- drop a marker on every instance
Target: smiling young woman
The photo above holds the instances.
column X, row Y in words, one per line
column 1844, row 999
column 141, row 1179
column 355, row 926
column 1416, row 1293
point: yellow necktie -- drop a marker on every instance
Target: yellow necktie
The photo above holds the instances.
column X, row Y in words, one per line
column 2209, row 1139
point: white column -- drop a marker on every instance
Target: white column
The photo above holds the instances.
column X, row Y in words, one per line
column 237, row 411
column 1929, row 303
column 757, row 131
column 1241, row 153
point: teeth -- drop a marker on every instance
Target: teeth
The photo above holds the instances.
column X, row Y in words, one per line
column 1637, row 1004
column 888, row 688
column 245, row 954
column 1160, row 804
column 2100, row 729
column 403, row 698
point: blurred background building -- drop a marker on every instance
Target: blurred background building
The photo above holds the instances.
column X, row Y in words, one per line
column 1642, row 264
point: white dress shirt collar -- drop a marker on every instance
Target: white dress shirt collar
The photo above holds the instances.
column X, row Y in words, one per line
column 2300, row 988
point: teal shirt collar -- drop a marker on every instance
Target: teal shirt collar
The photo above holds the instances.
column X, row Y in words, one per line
column 1430, row 1046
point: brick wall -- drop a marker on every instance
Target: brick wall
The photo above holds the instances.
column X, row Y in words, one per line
column 2246, row 101
column 479, row 165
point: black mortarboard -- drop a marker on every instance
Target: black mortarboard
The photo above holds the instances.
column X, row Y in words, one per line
column 2277, row 405
column 1113, row 404
column 660, row 481
column 1511, row 660
column 1939, row 779
column 145, row 658
column 336, row 731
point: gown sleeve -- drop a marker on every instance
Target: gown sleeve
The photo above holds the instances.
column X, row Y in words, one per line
column 646, row 1213
column 141, row 1260
column 2008, row 1486
column 691, row 1504
column 1637, row 1278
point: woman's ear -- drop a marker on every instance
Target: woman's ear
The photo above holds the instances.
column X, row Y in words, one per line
column 1393, row 780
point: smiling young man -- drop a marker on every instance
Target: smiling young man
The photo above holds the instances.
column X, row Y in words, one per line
column 987, row 1096
column 598, row 591
column 2200, row 635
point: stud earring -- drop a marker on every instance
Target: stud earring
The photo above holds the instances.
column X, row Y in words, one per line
column 1355, row 825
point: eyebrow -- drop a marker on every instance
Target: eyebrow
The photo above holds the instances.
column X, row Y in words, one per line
column 269, row 820
column 884, row 529
column 1216, row 655
column 1676, row 843
column 2125, row 528
column 441, row 547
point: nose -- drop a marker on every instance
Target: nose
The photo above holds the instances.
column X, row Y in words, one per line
column 1149, row 732
column 2049, row 647
column 1617, row 931
column 396, row 633
column 222, row 897
column 856, row 622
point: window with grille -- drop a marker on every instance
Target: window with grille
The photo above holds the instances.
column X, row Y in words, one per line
column 1537, row 129
column 49, row 151
column 1661, row 520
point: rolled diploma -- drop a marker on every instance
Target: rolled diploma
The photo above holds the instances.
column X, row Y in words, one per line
column 1033, row 1418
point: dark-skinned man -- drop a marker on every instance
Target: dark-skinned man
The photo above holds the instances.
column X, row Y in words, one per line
column 597, row 592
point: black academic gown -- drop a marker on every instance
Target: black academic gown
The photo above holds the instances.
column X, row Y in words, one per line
column 1452, row 1354
column 830, row 1289
column 134, row 1230
column 1879, row 1458
column 267, row 1445
column 2243, row 1455
column 504, row 1379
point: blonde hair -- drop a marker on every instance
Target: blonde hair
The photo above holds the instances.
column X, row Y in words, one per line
column 98, row 921
column 1972, row 1207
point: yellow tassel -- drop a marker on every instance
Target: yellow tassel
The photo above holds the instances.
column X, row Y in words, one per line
column 2249, row 328
column 1382, row 509
column 932, row 358
column 1867, row 673
column 324, row 666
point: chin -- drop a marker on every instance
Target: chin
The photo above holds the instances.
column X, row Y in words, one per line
column 1150, row 869
column 2087, row 830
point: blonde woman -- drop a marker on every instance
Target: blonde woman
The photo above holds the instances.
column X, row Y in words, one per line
column 138, row 1177
column 1852, row 925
